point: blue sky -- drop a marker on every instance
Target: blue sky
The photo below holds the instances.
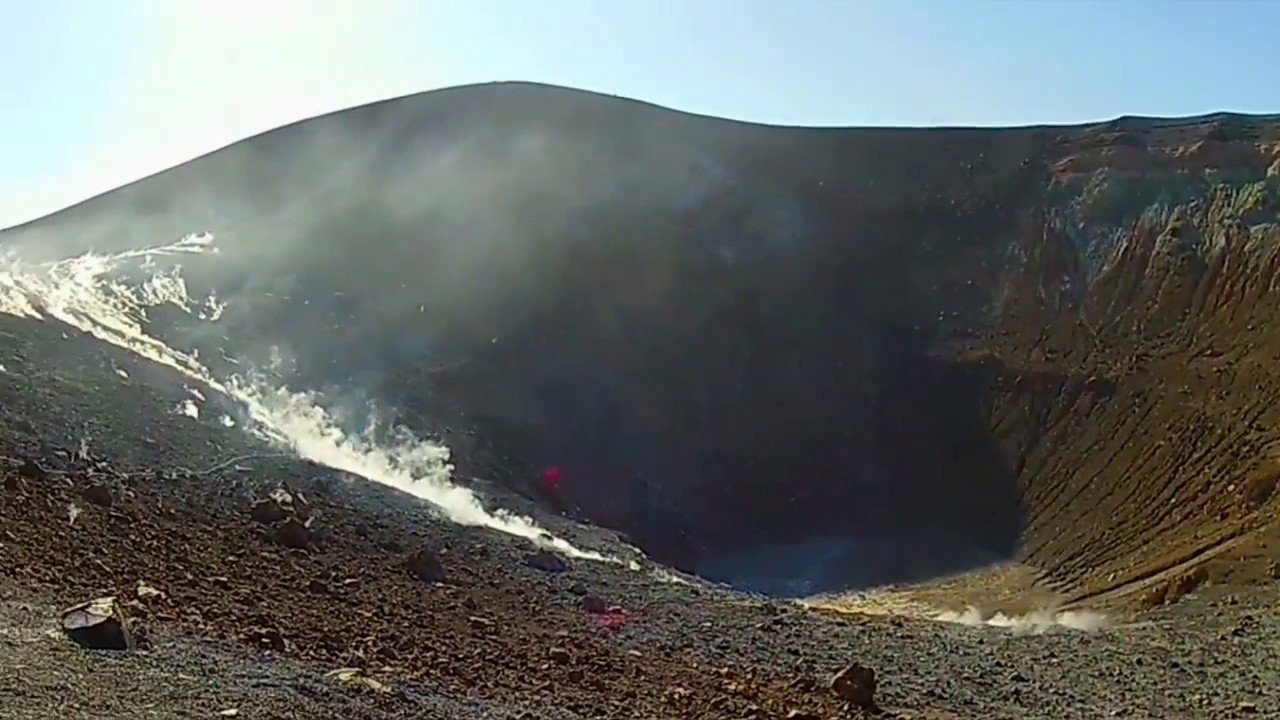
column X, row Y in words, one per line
column 96, row 93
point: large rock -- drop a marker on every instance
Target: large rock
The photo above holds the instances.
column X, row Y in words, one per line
column 426, row 566
column 99, row 495
column 288, row 515
column 857, row 684
column 98, row 625
column 267, row 511
column 547, row 562
column 32, row 470
column 293, row 534
column 280, row 505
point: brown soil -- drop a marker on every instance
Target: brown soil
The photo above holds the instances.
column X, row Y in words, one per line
column 492, row 627
column 227, row 619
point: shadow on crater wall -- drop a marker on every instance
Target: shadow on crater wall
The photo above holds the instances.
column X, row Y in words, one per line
column 729, row 336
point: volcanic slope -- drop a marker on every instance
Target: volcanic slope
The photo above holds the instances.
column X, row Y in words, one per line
column 1047, row 345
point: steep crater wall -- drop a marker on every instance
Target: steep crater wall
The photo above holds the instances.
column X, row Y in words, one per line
column 942, row 348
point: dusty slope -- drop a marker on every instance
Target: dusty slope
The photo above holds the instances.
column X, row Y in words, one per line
column 347, row 599
column 1046, row 344
column 1134, row 391
column 491, row 636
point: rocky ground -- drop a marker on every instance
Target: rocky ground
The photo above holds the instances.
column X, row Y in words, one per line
column 238, row 609
column 1054, row 343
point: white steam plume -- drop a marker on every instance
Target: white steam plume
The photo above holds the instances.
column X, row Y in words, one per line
column 1035, row 622
column 82, row 292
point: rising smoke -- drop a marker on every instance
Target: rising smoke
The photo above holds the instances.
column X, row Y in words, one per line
column 86, row 292
column 399, row 235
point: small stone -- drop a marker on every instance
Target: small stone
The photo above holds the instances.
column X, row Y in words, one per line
column 560, row 655
column 99, row 495
column 146, row 592
column 1096, row 384
column 426, row 566
column 292, row 534
column 98, row 625
column 857, row 684
column 547, row 562
column 267, row 512
column 354, row 677
column 1246, row 708
column 594, row 604
column 31, row 470
column 802, row 715
column 265, row 638
column 296, row 501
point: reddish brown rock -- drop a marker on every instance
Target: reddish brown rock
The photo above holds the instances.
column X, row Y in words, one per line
column 425, row 565
column 99, row 495
column 32, row 470
column 857, row 684
column 267, row 511
column 293, row 534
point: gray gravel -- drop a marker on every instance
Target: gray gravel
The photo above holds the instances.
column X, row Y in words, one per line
column 1214, row 664
column 43, row 676
column 1192, row 661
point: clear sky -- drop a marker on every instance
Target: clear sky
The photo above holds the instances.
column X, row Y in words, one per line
column 96, row 93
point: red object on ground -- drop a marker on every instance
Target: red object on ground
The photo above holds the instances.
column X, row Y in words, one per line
column 552, row 477
column 614, row 618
